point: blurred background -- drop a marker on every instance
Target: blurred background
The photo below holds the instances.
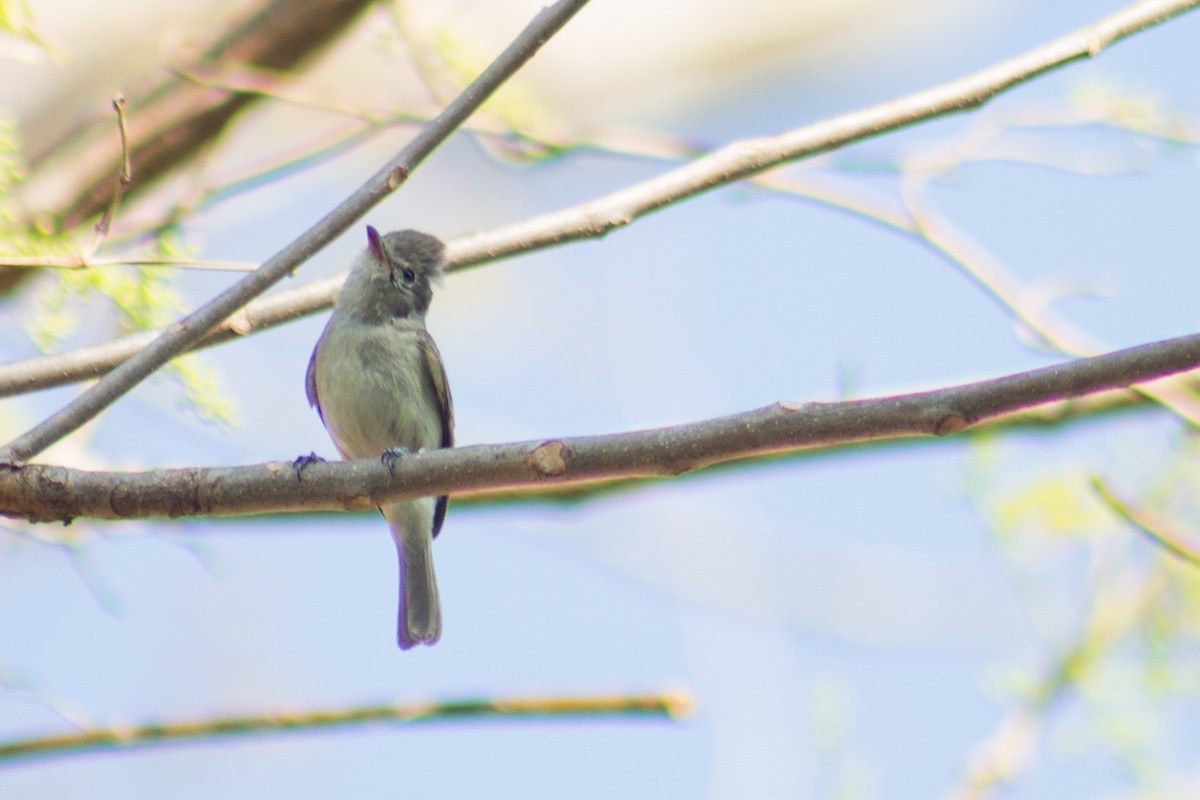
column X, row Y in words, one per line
column 878, row 621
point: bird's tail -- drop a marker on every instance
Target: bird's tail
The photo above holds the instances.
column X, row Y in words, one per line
column 420, row 619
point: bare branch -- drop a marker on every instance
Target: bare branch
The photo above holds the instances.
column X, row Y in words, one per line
column 187, row 331
column 44, row 493
column 1049, row 415
column 1156, row 530
column 731, row 163
column 123, row 738
column 744, row 158
column 80, row 261
column 1005, row 290
column 124, row 178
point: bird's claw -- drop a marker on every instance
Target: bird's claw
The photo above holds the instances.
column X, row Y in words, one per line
column 301, row 462
column 392, row 455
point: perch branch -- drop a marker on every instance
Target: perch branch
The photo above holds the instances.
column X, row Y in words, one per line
column 44, row 493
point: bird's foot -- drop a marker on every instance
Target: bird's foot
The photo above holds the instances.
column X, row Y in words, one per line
column 392, row 455
column 301, row 462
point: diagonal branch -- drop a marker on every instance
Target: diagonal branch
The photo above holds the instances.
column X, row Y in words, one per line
column 187, row 331
column 1158, row 531
column 731, row 163
column 664, row 706
column 45, row 493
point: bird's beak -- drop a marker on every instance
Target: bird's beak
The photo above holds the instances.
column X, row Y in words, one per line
column 375, row 242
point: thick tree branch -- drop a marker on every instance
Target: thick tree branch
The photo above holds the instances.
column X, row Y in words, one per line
column 731, row 163
column 128, row 737
column 45, row 493
column 187, row 331
column 1038, row 418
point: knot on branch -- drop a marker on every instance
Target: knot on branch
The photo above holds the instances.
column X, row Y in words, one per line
column 950, row 423
column 550, row 458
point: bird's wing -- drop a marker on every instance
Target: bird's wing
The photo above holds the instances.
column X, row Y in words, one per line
column 436, row 373
column 310, row 382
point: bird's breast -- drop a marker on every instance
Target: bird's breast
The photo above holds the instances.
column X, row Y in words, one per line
column 375, row 392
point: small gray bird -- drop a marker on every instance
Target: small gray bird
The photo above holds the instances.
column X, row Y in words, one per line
column 377, row 380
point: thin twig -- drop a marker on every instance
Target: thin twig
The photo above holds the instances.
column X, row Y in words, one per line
column 81, row 261
column 1050, row 328
column 1011, row 748
column 1156, row 530
column 45, row 493
column 123, row 179
column 128, row 737
column 277, row 86
column 731, row 163
column 186, row 332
